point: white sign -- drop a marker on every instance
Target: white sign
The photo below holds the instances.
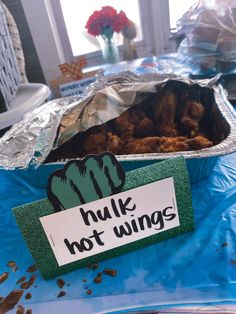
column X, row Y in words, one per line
column 76, row 87
column 111, row 222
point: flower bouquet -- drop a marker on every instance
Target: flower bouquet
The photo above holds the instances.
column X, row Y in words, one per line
column 104, row 24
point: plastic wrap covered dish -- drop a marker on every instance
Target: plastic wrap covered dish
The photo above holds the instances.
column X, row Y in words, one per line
column 210, row 33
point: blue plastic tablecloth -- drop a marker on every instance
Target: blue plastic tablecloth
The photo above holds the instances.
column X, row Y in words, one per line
column 197, row 267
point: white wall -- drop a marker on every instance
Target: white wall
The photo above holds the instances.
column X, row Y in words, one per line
column 44, row 33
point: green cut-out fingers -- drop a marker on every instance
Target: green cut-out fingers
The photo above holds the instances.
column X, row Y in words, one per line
column 84, row 181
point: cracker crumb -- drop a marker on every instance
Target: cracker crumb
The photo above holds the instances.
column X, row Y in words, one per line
column 10, row 301
column 20, row 309
column 32, row 269
column 61, row 294
column 110, row 272
column 22, row 279
column 11, row 264
column 61, row 283
column 98, row 279
column 28, row 296
column 26, row 285
column 4, row 277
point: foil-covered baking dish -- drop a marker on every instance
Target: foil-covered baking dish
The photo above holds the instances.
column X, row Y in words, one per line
column 48, row 127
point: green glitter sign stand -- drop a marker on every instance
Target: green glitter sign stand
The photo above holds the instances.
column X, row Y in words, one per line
column 60, row 197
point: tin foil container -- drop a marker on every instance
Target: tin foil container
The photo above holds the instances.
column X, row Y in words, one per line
column 47, row 128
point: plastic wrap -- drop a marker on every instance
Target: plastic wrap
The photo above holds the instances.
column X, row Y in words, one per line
column 210, row 36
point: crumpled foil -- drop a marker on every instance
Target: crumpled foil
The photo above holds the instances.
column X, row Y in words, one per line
column 47, row 127
column 110, row 97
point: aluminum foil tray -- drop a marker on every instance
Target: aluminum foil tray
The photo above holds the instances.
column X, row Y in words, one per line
column 46, row 128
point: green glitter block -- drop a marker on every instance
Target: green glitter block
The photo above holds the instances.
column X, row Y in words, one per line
column 27, row 218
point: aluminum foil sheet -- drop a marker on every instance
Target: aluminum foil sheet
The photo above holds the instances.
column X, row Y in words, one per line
column 47, row 127
column 32, row 139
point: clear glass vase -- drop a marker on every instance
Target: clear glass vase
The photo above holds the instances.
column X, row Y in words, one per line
column 109, row 49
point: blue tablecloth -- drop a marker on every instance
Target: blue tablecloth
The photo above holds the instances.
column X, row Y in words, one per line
column 194, row 268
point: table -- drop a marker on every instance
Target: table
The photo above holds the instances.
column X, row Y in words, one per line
column 170, row 64
column 195, row 268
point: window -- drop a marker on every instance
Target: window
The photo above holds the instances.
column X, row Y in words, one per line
column 148, row 15
column 57, row 28
column 76, row 18
column 177, row 10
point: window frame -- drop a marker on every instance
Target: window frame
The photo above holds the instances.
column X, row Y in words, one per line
column 95, row 57
column 154, row 15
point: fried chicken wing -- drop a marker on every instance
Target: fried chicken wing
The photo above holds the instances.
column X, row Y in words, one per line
column 142, row 146
column 199, row 142
column 134, row 123
column 143, row 126
column 173, row 144
column 96, row 141
column 123, row 125
column 164, row 114
column 114, row 143
column 191, row 114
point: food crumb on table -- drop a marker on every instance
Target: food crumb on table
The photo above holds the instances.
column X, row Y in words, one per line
column 11, row 264
column 32, row 269
column 10, row 301
column 28, row 284
column 22, row 279
column 20, row 309
column 28, row 296
column 4, row 277
column 61, row 283
column 89, row 292
column 97, row 279
column 61, row 294
column 110, row 272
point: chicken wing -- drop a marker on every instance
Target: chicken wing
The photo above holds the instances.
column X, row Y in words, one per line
column 164, row 114
column 173, row 144
column 142, row 146
column 114, row 143
column 190, row 116
column 199, row 142
column 123, row 125
column 96, row 141
column 143, row 126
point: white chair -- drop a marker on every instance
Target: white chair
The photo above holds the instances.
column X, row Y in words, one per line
column 20, row 96
column 28, row 97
